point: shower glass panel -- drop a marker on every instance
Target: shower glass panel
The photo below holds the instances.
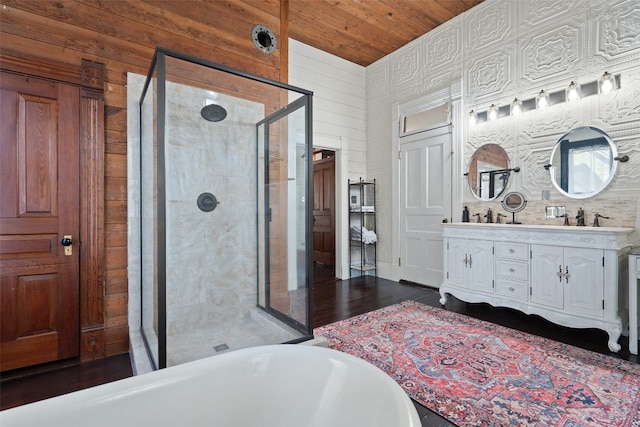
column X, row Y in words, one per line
column 225, row 176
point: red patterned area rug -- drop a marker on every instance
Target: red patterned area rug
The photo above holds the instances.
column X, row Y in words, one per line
column 476, row 373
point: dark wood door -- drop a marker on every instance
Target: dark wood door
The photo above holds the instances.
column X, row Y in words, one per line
column 39, row 206
column 324, row 228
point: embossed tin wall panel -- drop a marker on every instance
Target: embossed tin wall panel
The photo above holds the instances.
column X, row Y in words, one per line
column 507, row 48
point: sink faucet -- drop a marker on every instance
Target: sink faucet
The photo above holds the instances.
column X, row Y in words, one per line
column 580, row 218
column 478, row 217
column 498, row 220
column 489, row 216
column 595, row 221
column 566, row 219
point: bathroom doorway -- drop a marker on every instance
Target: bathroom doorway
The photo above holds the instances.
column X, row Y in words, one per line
column 324, row 216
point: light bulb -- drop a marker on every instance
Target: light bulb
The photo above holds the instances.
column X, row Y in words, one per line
column 607, row 83
column 473, row 118
column 573, row 92
column 493, row 112
column 516, row 107
column 542, row 100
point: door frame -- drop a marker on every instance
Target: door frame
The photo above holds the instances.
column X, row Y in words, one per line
column 89, row 77
column 337, row 145
column 452, row 95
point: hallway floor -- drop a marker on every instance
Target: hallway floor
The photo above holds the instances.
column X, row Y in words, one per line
column 333, row 300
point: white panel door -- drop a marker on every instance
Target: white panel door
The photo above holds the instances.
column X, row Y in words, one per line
column 425, row 201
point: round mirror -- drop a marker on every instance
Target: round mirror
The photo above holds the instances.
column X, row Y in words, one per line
column 513, row 202
column 488, row 172
column 582, row 162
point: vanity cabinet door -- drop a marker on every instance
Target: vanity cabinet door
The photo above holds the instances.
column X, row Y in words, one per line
column 457, row 272
column 584, row 289
column 568, row 278
column 470, row 264
column 481, row 265
column 547, row 275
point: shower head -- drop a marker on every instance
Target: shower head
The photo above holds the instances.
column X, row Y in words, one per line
column 213, row 113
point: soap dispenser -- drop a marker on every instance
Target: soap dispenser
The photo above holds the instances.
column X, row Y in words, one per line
column 465, row 214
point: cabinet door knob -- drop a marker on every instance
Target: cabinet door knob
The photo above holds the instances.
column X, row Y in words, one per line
column 511, row 270
column 511, row 250
column 511, row 288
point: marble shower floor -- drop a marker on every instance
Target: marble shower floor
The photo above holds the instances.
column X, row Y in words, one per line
column 257, row 329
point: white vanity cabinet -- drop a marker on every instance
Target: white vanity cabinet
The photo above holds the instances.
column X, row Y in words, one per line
column 571, row 276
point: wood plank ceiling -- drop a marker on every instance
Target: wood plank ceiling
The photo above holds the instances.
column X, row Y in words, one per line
column 363, row 31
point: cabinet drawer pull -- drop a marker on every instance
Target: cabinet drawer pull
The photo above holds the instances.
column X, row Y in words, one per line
column 511, row 288
column 560, row 273
column 512, row 270
column 511, row 250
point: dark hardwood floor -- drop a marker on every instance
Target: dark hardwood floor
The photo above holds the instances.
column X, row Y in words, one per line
column 333, row 300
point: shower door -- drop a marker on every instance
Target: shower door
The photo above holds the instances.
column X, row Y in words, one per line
column 283, row 165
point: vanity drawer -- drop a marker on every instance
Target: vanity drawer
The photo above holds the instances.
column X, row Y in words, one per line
column 512, row 269
column 512, row 289
column 512, row 250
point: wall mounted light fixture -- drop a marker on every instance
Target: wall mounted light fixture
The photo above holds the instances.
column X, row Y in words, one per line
column 607, row 84
column 573, row 92
column 542, row 100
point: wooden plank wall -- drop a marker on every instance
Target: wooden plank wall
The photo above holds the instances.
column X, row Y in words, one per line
column 123, row 35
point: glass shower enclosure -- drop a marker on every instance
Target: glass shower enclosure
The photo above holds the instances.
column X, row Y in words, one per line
column 225, row 223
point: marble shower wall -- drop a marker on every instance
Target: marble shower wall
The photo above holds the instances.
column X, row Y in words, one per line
column 211, row 256
column 502, row 49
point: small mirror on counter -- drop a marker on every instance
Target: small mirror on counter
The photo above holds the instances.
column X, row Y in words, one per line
column 514, row 202
column 554, row 211
column 582, row 162
column 489, row 172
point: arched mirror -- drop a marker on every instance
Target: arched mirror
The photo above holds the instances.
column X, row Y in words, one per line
column 582, row 162
column 489, row 172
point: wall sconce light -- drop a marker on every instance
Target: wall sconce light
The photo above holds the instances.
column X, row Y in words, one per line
column 607, row 83
column 493, row 112
column 573, row 92
column 473, row 118
column 542, row 100
column 516, row 107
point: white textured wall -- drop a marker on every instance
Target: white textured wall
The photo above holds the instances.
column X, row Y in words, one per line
column 339, row 100
column 502, row 49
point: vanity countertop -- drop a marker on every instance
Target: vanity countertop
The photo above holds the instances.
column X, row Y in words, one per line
column 542, row 227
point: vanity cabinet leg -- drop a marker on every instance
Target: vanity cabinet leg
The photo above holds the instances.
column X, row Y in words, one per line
column 443, row 295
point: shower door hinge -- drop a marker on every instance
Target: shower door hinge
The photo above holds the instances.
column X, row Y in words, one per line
column 399, row 263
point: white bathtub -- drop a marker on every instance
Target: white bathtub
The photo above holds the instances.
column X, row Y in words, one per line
column 271, row 386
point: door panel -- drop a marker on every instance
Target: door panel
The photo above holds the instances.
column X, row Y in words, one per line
column 481, row 265
column 39, row 205
column 547, row 285
column 425, row 200
column 584, row 291
column 324, row 231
